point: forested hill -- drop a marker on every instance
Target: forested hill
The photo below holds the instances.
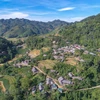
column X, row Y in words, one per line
column 85, row 32
column 23, row 27
column 7, row 50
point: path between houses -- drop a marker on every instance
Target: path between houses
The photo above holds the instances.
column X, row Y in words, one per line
column 95, row 87
column 54, row 80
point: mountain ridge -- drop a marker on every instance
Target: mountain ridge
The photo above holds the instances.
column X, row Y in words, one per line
column 24, row 27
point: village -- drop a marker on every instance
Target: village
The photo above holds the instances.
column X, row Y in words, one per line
column 60, row 83
column 59, row 54
column 53, row 85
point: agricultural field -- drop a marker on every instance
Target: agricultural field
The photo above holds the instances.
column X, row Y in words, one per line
column 47, row 63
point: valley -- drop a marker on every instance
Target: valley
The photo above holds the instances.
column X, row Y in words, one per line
column 63, row 64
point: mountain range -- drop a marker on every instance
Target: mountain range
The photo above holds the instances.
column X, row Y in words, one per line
column 22, row 27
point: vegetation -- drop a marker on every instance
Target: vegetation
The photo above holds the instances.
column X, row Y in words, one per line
column 58, row 60
column 7, row 50
column 85, row 32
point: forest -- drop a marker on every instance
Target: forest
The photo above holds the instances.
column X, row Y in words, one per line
column 7, row 50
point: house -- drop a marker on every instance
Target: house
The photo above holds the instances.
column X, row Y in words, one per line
column 79, row 78
column 86, row 52
column 41, row 87
column 54, row 87
column 49, row 81
column 60, row 90
column 98, row 50
column 60, row 79
column 52, row 71
column 66, row 82
column 54, row 42
column 17, row 65
column 33, row 89
column 56, row 57
column 44, row 55
column 34, row 70
column 25, row 63
column 70, row 74
column 92, row 54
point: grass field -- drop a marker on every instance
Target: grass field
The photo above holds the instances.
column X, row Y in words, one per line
column 45, row 49
column 34, row 53
column 11, row 79
column 1, row 64
column 71, row 61
column 16, row 39
column 24, row 71
column 5, row 82
column 47, row 63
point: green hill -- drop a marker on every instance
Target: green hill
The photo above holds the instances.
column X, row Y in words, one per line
column 23, row 27
column 85, row 32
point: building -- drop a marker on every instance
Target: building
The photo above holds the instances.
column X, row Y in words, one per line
column 79, row 78
column 41, row 87
column 70, row 74
column 34, row 70
column 60, row 90
column 33, row 89
column 54, row 87
column 67, row 82
column 63, row 81
column 60, row 79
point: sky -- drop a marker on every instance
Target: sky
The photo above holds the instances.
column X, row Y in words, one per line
column 48, row 10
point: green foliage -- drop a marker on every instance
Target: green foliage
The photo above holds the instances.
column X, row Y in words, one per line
column 7, row 50
column 85, row 32
column 63, row 69
column 37, row 42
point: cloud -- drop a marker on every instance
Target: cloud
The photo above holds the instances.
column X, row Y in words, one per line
column 14, row 15
column 67, row 8
column 73, row 19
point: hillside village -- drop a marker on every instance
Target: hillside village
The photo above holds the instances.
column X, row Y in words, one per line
column 53, row 69
column 61, row 82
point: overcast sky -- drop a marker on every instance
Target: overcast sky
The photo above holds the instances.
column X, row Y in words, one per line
column 48, row 10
